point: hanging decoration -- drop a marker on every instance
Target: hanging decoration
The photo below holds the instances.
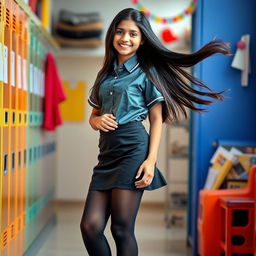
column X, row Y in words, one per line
column 241, row 59
column 166, row 20
column 168, row 36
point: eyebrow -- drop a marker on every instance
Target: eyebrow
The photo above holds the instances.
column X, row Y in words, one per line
column 131, row 30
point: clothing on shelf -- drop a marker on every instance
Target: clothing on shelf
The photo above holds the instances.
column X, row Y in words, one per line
column 79, row 30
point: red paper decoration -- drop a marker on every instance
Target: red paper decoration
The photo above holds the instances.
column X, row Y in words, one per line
column 241, row 45
column 168, row 36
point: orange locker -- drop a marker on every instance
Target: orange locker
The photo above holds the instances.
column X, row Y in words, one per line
column 5, row 230
column 1, row 107
column 24, row 119
column 23, row 108
column 17, row 128
column 13, row 134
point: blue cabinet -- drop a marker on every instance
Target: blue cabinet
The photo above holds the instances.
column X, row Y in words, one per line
column 235, row 117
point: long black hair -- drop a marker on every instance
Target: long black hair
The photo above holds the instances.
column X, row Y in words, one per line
column 171, row 79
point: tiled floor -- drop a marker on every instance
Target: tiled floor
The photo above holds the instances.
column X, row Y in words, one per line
column 64, row 239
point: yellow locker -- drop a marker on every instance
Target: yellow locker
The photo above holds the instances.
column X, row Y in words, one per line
column 5, row 230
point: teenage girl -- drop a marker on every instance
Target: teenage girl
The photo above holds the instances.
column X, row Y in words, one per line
column 139, row 78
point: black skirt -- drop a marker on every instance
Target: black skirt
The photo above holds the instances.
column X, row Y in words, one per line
column 122, row 151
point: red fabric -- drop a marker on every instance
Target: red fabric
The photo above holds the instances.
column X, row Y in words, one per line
column 54, row 94
column 33, row 4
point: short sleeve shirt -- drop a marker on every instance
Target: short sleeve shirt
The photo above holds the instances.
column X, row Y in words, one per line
column 127, row 93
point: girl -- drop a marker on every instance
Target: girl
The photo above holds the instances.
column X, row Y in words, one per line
column 139, row 77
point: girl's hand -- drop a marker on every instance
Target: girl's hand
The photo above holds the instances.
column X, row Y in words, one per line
column 148, row 167
column 105, row 122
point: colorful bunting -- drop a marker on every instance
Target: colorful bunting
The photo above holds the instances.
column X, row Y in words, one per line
column 188, row 11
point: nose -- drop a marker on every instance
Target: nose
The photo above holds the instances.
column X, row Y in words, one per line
column 125, row 37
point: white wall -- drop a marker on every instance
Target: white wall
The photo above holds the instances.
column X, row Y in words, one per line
column 77, row 142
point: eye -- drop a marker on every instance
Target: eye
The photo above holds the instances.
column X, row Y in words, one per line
column 118, row 32
column 133, row 34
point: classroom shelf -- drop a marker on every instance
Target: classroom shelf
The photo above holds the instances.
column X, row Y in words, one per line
column 37, row 22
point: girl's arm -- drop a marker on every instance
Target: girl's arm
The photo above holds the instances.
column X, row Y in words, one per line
column 148, row 166
column 104, row 122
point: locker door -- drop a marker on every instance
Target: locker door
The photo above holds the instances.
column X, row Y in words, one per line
column 24, row 123
column 13, row 134
column 21, row 104
column 17, row 127
column 1, row 108
column 6, row 129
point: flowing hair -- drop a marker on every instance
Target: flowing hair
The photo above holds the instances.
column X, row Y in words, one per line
column 170, row 77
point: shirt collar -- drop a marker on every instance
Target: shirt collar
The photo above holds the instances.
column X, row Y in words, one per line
column 130, row 65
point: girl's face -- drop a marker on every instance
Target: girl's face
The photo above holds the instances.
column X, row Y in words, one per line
column 127, row 40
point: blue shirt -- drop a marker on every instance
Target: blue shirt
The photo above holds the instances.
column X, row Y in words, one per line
column 127, row 93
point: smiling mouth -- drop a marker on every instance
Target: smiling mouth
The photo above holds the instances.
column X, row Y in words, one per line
column 124, row 45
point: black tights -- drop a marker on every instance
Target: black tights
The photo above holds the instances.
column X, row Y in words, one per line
column 123, row 206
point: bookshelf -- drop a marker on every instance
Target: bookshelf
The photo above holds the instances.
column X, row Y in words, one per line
column 176, row 172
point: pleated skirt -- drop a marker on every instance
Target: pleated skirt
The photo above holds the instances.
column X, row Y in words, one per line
column 121, row 152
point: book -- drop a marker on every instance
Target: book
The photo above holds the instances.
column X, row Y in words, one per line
column 211, row 177
column 223, row 161
column 231, row 184
column 240, row 171
column 230, row 166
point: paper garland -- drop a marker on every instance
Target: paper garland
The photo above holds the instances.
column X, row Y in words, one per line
column 165, row 20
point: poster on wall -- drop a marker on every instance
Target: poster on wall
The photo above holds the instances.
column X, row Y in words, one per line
column 73, row 109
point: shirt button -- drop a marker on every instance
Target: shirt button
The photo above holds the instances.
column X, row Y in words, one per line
column 115, row 77
column 111, row 93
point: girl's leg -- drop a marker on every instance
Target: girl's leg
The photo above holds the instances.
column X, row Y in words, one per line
column 124, row 208
column 93, row 222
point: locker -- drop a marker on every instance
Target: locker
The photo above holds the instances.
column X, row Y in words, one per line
column 24, row 106
column 5, row 228
column 38, row 63
column 27, row 115
column 36, row 69
column 1, row 111
column 13, row 129
column 17, row 130
column 18, row 143
column 23, row 111
column 31, row 70
column 25, row 188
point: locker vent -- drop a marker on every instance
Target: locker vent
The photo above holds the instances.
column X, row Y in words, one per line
column 12, row 231
column 20, row 27
column 14, row 22
column 0, row 9
column 5, row 238
column 7, row 19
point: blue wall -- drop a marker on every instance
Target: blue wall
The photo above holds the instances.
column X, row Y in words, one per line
column 235, row 117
